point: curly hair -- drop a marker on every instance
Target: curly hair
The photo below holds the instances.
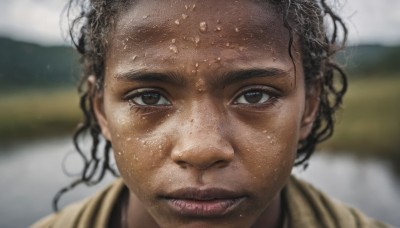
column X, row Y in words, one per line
column 321, row 33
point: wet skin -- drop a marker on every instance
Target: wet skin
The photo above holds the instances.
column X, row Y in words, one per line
column 204, row 111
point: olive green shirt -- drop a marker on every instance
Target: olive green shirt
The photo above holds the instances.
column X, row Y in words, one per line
column 306, row 207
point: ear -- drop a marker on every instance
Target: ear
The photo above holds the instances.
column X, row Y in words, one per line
column 98, row 106
column 310, row 110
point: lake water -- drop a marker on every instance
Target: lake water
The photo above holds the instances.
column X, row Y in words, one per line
column 30, row 174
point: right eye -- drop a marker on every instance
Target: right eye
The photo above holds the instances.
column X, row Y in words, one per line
column 253, row 97
column 146, row 97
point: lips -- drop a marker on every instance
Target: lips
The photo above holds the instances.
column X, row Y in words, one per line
column 211, row 202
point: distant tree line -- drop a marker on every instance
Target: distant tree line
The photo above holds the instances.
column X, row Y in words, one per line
column 30, row 65
column 371, row 60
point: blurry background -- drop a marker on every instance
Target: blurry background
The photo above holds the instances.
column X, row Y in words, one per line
column 360, row 165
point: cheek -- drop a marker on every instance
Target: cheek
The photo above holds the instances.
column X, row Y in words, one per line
column 139, row 159
column 268, row 149
column 139, row 151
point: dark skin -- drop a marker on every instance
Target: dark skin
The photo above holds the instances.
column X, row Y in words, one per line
column 204, row 111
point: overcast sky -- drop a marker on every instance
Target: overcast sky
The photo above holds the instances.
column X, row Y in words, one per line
column 369, row 21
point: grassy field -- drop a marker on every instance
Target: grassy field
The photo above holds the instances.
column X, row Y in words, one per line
column 370, row 120
column 34, row 114
column 368, row 124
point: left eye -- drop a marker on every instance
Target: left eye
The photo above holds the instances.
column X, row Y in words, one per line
column 150, row 98
column 253, row 97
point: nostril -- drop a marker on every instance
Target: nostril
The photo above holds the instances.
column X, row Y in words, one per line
column 220, row 164
column 182, row 164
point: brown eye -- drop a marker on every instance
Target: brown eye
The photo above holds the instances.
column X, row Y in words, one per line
column 148, row 98
column 151, row 98
column 253, row 97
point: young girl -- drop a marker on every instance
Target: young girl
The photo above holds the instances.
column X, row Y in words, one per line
column 207, row 105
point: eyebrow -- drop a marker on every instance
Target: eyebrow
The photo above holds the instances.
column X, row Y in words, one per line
column 247, row 74
column 223, row 79
column 140, row 76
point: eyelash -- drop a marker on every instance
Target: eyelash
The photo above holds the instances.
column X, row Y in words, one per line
column 272, row 93
column 140, row 93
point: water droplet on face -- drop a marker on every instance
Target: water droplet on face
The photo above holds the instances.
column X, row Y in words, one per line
column 228, row 44
column 200, row 85
column 197, row 40
column 173, row 48
column 186, row 7
column 265, row 131
column 143, row 142
column 145, row 16
column 177, row 22
column 159, row 147
column 203, row 26
column 173, row 41
column 197, row 65
column 193, row 7
column 218, row 28
column 134, row 57
column 219, row 59
column 119, row 153
column 236, row 29
column 184, row 16
column 129, row 139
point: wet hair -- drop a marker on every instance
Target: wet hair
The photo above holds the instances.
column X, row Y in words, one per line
column 321, row 33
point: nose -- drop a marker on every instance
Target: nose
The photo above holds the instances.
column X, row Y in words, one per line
column 203, row 141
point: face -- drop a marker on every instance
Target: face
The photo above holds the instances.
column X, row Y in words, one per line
column 203, row 108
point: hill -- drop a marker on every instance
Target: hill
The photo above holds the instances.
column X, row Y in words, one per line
column 370, row 60
column 30, row 65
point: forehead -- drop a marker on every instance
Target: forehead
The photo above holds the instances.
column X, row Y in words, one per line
column 155, row 20
column 178, row 29
column 167, row 16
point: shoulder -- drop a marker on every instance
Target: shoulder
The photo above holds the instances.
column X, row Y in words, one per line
column 92, row 212
column 308, row 207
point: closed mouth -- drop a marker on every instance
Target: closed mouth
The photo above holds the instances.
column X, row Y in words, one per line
column 212, row 202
